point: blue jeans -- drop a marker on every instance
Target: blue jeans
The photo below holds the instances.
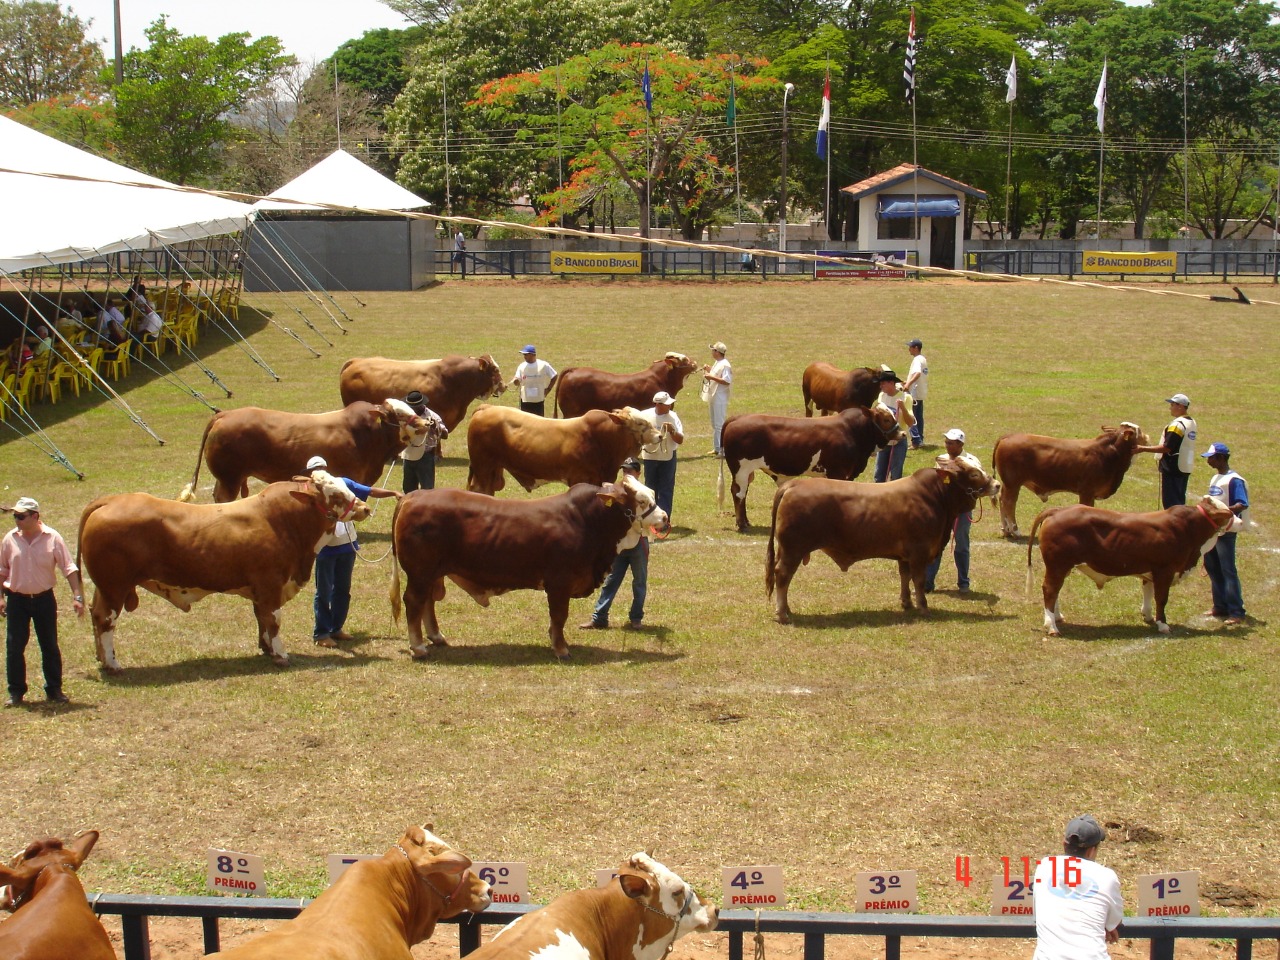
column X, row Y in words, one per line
column 960, row 533
column 420, row 474
column 889, row 462
column 917, row 432
column 23, row 611
column 637, row 560
column 1220, row 564
column 660, row 477
column 333, row 592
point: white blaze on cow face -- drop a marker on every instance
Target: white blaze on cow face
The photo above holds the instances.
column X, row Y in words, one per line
column 647, row 511
column 336, row 499
column 413, row 428
column 675, row 898
column 639, row 425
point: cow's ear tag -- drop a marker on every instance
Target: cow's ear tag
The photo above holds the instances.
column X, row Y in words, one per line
column 946, row 479
column 608, row 501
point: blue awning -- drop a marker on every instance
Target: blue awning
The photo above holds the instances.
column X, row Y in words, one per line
column 893, row 208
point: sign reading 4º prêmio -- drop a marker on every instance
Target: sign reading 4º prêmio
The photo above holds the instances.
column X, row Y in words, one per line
column 754, row 887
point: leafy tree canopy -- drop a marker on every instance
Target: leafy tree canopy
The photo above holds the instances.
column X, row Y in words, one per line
column 45, row 53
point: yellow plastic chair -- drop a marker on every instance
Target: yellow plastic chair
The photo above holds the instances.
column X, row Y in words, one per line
column 228, row 303
column 39, row 369
column 10, row 382
column 22, row 392
column 63, row 371
column 92, row 361
column 116, row 360
column 153, row 343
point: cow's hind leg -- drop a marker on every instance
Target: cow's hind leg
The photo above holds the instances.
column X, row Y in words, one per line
column 104, row 615
column 558, row 604
column 1009, row 510
column 904, row 575
column 784, row 568
column 1052, row 588
column 738, row 490
column 1163, row 581
column 915, row 573
column 1148, row 595
column 269, row 633
column 419, row 608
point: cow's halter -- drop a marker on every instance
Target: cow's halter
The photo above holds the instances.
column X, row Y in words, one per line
column 18, row 901
column 675, row 921
column 447, row 898
column 330, row 514
column 1217, row 526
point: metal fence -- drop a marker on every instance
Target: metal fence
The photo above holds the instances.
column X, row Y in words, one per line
column 1163, row 934
column 1201, row 264
column 657, row 263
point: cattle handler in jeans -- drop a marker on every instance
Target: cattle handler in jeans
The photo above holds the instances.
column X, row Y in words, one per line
column 1220, row 562
column 335, row 563
column 954, row 439
column 1077, row 900
column 30, row 557
column 1177, row 452
column 633, row 556
column 420, row 458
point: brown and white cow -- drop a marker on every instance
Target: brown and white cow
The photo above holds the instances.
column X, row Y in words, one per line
column 837, row 448
column 1160, row 548
column 563, row 545
column 580, row 389
column 905, row 520
column 831, row 389
column 274, row 445
column 638, row 916
column 378, row 909
column 449, row 384
column 1091, row 469
column 537, row 450
column 261, row 548
column 51, row 916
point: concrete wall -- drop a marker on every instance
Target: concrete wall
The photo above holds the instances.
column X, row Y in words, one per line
column 353, row 253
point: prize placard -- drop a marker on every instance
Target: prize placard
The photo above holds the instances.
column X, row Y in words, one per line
column 338, row 863
column 886, row 891
column 1010, row 896
column 508, row 882
column 754, row 887
column 1169, row 894
column 236, row 873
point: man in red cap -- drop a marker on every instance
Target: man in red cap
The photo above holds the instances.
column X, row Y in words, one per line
column 30, row 557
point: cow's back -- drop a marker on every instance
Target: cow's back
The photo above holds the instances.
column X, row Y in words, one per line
column 275, row 445
column 580, row 389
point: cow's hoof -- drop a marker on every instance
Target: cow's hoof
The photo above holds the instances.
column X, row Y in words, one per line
column 1162, row 627
column 420, row 652
column 280, row 659
column 1053, row 635
column 562, row 657
column 783, row 618
column 113, row 669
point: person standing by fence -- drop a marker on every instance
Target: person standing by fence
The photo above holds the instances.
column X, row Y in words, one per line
column 1077, row 901
column 459, row 252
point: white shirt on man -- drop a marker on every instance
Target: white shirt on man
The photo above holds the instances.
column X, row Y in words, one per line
column 920, row 386
column 722, row 369
column 1072, row 920
column 534, row 379
column 665, row 448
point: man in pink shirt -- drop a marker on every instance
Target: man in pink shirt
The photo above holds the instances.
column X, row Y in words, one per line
column 30, row 557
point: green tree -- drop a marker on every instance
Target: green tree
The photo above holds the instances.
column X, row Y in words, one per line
column 490, row 165
column 377, row 62
column 172, row 107
column 45, row 53
column 673, row 154
column 89, row 126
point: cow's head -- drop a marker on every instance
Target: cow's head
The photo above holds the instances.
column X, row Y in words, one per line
column 661, row 891
column 445, row 872
column 970, row 477
column 641, row 428
column 1220, row 515
column 1129, row 434
column 331, row 497
column 18, row 879
column 886, row 421
column 680, row 364
column 637, row 500
column 497, row 386
column 412, row 428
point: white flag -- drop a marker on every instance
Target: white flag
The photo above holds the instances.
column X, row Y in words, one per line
column 1011, row 81
column 1100, row 98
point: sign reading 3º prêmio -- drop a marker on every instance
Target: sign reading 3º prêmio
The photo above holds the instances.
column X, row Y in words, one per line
column 1103, row 261
column 567, row 261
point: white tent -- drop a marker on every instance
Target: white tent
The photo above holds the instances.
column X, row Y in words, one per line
column 48, row 219
column 345, row 181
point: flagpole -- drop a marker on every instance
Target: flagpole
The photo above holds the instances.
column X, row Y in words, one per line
column 559, row 148
column 737, row 173
column 1008, row 173
column 909, row 74
column 826, row 210
column 1100, row 102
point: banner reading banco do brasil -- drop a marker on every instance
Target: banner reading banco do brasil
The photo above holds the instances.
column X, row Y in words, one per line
column 563, row 261
column 1103, row 261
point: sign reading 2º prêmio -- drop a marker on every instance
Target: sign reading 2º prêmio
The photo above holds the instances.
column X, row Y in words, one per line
column 566, row 261
column 1102, row 261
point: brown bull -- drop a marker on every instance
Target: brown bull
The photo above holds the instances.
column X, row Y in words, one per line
column 273, row 445
column 837, row 448
column 1160, row 548
column 51, row 916
column 537, row 450
column 1091, row 469
column 831, row 389
column 580, row 389
column 905, row 520
column 638, row 915
column 563, row 545
column 261, row 548
column 449, row 384
column 378, row 909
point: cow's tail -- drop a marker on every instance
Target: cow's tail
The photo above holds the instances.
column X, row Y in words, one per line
column 720, row 487
column 189, row 491
column 1031, row 540
column 768, row 554
column 555, row 406
column 808, row 398
column 995, row 457
column 395, row 566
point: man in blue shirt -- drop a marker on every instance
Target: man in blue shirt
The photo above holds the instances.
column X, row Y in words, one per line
column 335, row 563
column 1220, row 562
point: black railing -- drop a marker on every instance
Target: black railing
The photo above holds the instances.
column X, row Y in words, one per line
column 1163, row 934
column 655, row 263
column 1223, row 264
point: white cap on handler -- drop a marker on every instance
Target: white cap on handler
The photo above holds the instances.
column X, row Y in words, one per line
column 317, row 463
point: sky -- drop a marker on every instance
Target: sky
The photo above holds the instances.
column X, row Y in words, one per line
column 311, row 30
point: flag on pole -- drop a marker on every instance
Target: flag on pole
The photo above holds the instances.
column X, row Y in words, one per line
column 646, row 88
column 1100, row 98
column 731, row 113
column 1011, row 81
column 909, row 68
column 825, row 120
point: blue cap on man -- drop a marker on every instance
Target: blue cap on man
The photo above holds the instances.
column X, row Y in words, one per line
column 529, row 348
column 1217, row 450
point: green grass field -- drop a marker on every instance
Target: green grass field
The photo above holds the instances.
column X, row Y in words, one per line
column 859, row 738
